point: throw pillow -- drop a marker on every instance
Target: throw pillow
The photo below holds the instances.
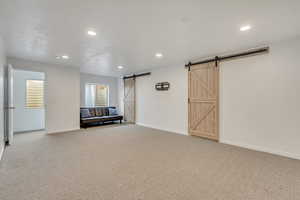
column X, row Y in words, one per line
column 85, row 113
column 112, row 111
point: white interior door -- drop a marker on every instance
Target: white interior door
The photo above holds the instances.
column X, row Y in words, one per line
column 10, row 106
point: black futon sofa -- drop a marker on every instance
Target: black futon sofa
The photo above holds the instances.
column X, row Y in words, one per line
column 98, row 115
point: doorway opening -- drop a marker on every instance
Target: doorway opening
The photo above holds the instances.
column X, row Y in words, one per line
column 29, row 101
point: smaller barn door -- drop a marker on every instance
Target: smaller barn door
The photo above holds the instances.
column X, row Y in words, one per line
column 204, row 100
column 129, row 100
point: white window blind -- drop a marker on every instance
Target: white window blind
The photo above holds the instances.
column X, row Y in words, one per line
column 34, row 93
column 101, row 96
column 96, row 95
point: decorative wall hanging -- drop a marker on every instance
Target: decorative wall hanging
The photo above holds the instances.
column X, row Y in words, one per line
column 162, row 86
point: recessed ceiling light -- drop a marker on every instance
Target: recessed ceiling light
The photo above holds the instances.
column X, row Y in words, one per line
column 120, row 67
column 245, row 28
column 58, row 57
column 92, row 33
column 65, row 57
column 158, row 55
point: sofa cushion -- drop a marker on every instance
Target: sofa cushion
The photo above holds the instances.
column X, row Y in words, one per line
column 91, row 118
column 92, row 112
column 84, row 113
column 101, row 119
column 99, row 111
column 112, row 111
column 105, row 111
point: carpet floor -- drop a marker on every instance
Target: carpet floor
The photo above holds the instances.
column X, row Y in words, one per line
column 128, row 162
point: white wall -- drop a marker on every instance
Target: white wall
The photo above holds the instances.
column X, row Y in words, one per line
column 62, row 94
column 111, row 82
column 259, row 100
column 2, row 63
column 26, row 119
column 121, row 95
column 166, row 110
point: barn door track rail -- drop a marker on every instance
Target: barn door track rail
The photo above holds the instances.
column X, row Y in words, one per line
column 137, row 75
column 232, row 56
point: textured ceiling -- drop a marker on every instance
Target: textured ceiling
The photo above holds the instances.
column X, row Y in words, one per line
column 129, row 32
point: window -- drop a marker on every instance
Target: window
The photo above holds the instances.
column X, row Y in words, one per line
column 96, row 95
column 34, row 93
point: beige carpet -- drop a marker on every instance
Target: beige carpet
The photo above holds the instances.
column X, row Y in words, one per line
column 137, row 163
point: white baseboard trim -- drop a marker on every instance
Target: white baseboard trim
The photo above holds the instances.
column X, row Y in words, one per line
column 2, row 151
column 63, row 131
column 163, row 129
column 262, row 149
column 30, row 131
